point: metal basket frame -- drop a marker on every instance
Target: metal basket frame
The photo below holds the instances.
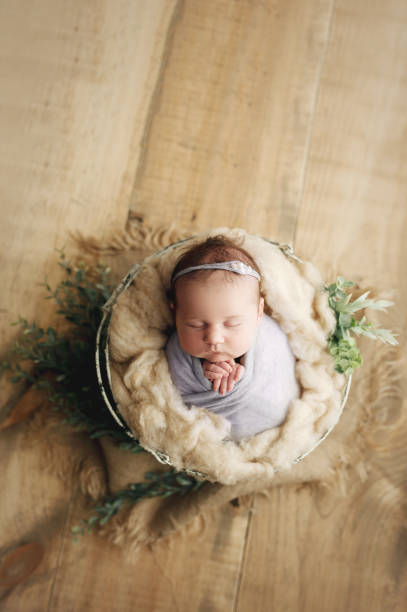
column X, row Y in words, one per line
column 103, row 368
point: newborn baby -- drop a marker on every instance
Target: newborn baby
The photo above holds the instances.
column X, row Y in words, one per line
column 227, row 355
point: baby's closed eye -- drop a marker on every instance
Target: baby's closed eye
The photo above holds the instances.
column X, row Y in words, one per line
column 203, row 325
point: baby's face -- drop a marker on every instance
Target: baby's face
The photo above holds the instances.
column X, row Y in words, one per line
column 217, row 319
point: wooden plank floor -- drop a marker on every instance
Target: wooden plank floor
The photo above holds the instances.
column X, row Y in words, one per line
column 285, row 117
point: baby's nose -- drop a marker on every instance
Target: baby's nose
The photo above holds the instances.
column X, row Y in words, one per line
column 213, row 335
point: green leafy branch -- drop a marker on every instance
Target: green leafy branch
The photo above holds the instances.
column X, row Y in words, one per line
column 157, row 485
column 62, row 364
column 342, row 345
column 81, row 295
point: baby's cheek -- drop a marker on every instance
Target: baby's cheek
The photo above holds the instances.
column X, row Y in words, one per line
column 245, row 339
column 189, row 341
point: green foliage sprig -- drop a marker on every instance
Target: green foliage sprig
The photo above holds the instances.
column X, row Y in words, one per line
column 341, row 344
column 63, row 364
column 157, row 485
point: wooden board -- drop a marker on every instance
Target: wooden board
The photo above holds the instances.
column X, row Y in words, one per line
column 76, row 85
column 285, row 118
column 228, row 140
column 193, row 573
column 346, row 553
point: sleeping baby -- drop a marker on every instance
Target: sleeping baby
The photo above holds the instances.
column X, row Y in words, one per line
column 226, row 354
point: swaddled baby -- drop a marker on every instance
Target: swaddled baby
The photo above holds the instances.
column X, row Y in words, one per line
column 226, row 355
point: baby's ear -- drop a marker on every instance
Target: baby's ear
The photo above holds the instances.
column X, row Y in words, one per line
column 261, row 307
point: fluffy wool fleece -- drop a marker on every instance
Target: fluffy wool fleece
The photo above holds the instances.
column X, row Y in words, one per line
column 192, row 437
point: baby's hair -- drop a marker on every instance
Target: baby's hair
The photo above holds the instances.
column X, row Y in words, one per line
column 216, row 249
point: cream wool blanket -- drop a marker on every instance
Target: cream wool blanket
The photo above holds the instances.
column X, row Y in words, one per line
column 191, row 436
column 259, row 400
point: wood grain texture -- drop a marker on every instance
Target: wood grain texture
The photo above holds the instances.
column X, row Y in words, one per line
column 285, row 118
column 76, row 84
column 352, row 554
column 191, row 573
column 229, row 136
column 355, row 186
column 34, row 509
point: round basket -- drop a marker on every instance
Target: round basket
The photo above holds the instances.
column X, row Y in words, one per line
column 103, row 360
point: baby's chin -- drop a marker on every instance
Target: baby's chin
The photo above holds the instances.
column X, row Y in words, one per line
column 215, row 357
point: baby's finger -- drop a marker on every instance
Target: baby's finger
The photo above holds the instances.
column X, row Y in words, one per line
column 218, row 367
column 231, row 362
column 233, row 378
column 225, row 366
column 213, row 375
column 209, row 372
column 238, row 372
column 223, row 385
column 216, row 384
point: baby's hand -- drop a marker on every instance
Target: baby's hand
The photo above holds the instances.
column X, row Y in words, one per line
column 223, row 374
column 216, row 371
column 228, row 381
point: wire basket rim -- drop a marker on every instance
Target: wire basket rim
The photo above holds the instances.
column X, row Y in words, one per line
column 103, row 369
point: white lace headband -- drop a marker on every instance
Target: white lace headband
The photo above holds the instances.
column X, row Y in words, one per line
column 232, row 266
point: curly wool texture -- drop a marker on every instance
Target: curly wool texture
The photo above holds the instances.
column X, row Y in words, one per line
column 193, row 437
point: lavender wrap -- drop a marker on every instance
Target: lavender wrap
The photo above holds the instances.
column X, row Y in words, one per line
column 260, row 399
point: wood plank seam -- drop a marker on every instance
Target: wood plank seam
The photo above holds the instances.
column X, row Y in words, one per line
column 243, row 557
column 312, row 116
column 156, row 94
column 66, row 532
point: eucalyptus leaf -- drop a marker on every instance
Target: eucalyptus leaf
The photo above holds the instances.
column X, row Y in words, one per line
column 341, row 345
